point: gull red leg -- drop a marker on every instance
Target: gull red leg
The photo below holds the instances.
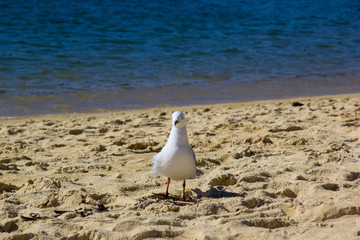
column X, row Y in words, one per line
column 184, row 191
column 167, row 188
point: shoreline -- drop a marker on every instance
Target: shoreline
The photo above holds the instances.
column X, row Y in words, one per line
column 266, row 170
column 149, row 97
column 169, row 106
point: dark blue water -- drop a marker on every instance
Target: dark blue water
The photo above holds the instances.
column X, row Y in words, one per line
column 72, row 55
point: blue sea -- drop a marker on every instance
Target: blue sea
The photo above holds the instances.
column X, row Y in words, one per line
column 84, row 56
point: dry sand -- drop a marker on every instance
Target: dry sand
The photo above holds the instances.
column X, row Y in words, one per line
column 266, row 170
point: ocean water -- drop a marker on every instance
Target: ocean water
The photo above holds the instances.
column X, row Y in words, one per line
column 75, row 56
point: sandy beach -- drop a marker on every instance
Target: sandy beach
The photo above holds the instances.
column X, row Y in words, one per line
column 282, row 169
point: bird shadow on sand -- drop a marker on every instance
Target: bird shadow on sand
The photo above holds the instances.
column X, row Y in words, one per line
column 213, row 192
column 176, row 200
column 216, row 192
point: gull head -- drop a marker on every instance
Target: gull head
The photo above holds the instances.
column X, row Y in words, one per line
column 178, row 119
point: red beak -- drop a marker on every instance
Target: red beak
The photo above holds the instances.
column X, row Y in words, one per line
column 176, row 122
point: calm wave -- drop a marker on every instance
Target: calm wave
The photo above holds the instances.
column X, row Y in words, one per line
column 86, row 55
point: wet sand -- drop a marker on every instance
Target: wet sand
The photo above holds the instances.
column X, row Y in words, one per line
column 283, row 169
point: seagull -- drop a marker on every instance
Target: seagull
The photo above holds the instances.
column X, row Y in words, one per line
column 176, row 160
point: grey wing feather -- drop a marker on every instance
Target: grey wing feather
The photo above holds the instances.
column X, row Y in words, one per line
column 193, row 154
